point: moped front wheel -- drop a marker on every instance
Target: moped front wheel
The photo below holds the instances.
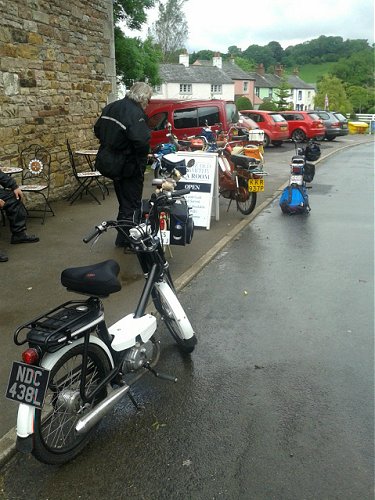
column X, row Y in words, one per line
column 245, row 200
column 174, row 316
column 55, row 438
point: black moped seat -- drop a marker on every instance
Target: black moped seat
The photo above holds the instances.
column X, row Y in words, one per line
column 98, row 280
column 245, row 161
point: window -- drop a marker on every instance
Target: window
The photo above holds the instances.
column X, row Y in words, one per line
column 185, row 118
column 257, row 91
column 158, row 121
column 216, row 89
column 270, row 93
column 185, row 88
column 209, row 115
column 196, row 117
column 300, row 95
column 157, row 89
column 245, row 86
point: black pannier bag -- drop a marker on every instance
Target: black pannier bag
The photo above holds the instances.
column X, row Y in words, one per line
column 309, row 172
column 181, row 223
column 176, row 218
column 312, row 152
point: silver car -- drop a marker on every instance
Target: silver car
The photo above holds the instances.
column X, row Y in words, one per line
column 333, row 124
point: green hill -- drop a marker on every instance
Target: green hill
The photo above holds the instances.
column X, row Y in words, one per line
column 311, row 72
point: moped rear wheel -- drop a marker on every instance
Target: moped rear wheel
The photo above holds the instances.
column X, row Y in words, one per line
column 246, row 200
column 174, row 317
column 56, row 440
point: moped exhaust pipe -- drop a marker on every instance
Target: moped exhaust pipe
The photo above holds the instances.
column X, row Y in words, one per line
column 93, row 417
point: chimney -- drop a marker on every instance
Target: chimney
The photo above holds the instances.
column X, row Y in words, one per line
column 279, row 70
column 217, row 61
column 260, row 69
column 295, row 71
column 184, row 59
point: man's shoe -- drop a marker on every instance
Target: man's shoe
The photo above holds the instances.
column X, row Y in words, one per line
column 23, row 238
column 3, row 257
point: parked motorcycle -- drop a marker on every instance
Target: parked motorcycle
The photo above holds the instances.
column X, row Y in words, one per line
column 241, row 174
column 75, row 368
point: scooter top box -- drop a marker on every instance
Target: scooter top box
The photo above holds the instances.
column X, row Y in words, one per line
column 256, row 136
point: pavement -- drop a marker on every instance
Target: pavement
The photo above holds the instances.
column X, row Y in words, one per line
column 30, row 281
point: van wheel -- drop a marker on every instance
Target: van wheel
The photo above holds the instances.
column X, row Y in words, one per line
column 266, row 141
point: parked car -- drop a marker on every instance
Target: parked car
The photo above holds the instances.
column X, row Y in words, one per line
column 304, row 125
column 344, row 128
column 246, row 122
column 331, row 123
column 275, row 127
column 187, row 118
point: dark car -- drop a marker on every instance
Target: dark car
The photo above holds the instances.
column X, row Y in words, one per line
column 331, row 123
column 344, row 129
column 304, row 125
column 276, row 129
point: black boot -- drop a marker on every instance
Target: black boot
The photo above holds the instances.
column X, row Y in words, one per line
column 3, row 257
column 22, row 237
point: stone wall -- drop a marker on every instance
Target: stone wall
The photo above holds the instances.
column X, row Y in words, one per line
column 57, row 71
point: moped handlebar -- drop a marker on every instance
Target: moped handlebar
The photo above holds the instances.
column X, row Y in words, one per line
column 156, row 200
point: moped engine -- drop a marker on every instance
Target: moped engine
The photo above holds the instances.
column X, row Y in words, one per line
column 137, row 356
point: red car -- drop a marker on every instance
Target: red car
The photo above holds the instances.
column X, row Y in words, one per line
column 304, row 125
column 275, row 127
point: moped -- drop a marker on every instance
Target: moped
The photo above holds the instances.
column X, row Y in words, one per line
column 75, row 368
column 240, row 176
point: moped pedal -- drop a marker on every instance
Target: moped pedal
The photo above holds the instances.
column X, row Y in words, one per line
column 163, row 376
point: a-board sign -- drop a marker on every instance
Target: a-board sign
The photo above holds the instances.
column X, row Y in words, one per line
column 202, row 180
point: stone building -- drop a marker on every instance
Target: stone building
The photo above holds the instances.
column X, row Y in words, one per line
column 57, row 71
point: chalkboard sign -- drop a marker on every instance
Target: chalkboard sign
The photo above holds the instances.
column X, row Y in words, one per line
column 202, row 180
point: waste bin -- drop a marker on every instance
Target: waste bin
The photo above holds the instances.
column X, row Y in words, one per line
column 357, row 127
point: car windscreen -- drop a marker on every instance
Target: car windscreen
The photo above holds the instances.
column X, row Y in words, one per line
column 314, row 116
column 340, row 117
column 232, row 113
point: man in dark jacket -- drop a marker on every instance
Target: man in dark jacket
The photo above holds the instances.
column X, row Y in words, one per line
column 10, row 202
column 124, row 145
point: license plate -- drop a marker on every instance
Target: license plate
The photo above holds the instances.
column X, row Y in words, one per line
column 296, row 179
column 255, row 185
column 27, row 384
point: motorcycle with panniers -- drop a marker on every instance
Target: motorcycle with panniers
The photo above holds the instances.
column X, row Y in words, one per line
column 74, row 368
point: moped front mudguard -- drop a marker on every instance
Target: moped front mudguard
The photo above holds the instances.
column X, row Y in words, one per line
column 26, row 413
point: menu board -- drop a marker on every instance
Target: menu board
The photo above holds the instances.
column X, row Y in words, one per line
column 202, row 180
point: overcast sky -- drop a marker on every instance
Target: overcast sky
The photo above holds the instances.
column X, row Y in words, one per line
column 218, row 24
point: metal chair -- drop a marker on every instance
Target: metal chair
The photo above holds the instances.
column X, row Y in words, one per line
column 84, row 178
column 36, row 171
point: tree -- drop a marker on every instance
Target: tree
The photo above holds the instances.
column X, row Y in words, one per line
column 205, row 55
column 234, row 51
column 131, row 12
column 170, row 31
column 361, row 98
column 358, row 69
column 277, row 51
column 333, row 88
column 268, row 105
column 245, row 64
column 243, row 103
column 283, row 94
column 135, row 60
column 259, row 54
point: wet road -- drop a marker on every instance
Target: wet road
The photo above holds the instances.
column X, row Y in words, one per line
column 277, row 400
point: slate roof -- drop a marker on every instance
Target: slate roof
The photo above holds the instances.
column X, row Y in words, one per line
column 229, row 68
column 269, row 80
column 178, row 73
